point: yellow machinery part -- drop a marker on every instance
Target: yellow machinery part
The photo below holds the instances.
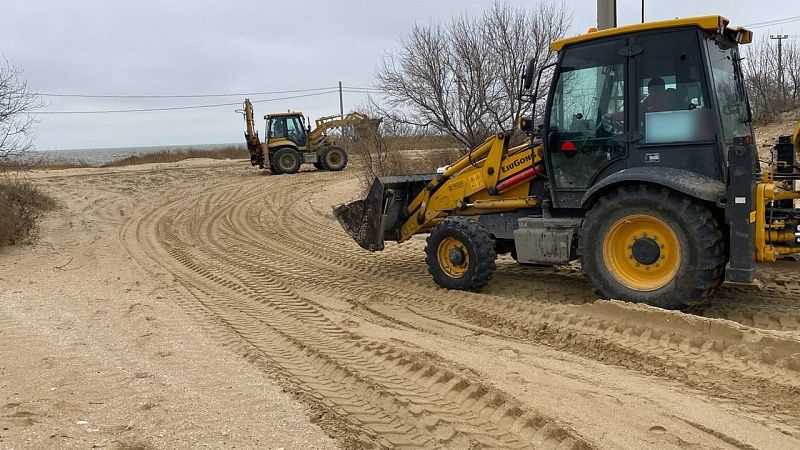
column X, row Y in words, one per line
column 463, row 187
column 704, row 22
column 618, row 244
column 354, row 119
column 780, row 236
column 453, row 257
column 767, row 192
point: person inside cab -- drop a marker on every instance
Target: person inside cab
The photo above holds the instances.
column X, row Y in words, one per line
column 659, row 98
column 278, row 127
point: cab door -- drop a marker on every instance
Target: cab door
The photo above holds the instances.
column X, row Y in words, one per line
column 295, row 131
column 587, row 124
column 276, row 128
column 673, row 115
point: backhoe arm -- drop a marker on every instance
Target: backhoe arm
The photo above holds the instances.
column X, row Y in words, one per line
column 250, row 134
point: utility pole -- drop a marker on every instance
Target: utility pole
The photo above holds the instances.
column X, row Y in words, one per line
column 642, row 11
column 606, row 14
column 780, row 38
column 341, row 103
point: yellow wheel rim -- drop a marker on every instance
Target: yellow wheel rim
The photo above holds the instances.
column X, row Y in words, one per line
column 453, row 257
column 334, row 158
column 642, row 252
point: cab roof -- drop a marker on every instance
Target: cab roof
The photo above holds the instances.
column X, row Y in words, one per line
column 719, row 23
column 283, row 114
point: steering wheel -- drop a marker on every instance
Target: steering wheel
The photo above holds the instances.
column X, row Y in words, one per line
column 609, row 125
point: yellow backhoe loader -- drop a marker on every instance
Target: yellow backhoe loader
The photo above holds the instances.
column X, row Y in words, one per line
column 645, row 170
column 290, row 143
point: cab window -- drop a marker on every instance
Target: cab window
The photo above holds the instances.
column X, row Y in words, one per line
column 672, row 97
column 728, row 85
column 587, row 114
column 277, row 127
column 294, row 130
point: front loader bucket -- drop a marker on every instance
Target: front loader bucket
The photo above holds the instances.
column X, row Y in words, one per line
column 380, row 215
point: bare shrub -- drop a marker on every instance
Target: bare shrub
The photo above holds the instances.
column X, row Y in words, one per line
column 462, row 78
column 22, row 206
column 771, row 94
column 16, row 105
column 396, row 148
column 407, row 162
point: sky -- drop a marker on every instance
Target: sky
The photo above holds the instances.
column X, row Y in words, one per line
column 190, row 47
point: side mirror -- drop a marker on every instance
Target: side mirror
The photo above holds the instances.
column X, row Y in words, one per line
column 552, row 137
column 527, row 75
column 525, row 93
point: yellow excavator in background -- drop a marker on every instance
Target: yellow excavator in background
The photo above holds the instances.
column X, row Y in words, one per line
column 645, row 170
column 290, row 143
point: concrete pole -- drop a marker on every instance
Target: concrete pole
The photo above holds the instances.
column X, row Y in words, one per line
column 341, row 103
column 606, row 14
column 780, row 38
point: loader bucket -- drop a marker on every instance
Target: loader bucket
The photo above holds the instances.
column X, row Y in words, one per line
column 379, row 216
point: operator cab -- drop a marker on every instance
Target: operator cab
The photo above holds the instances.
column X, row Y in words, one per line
column 649, row 101
column 285, row 126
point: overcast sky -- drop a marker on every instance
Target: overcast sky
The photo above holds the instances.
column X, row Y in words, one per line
column 215, row 47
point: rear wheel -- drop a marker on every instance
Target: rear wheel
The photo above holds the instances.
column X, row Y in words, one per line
column 652, row 245
column 460, row 254
column 286, row 160
column 333, row 158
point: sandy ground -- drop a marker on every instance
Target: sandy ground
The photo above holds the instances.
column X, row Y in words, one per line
column 205, row 304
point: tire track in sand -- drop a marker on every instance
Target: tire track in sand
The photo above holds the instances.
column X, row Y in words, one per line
column 401, row 398
column 760, row 369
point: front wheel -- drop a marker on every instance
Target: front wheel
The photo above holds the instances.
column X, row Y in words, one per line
column 652, row 245
column 333, row 158
column 460, row 254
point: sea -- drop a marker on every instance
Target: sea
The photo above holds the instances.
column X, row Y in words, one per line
column 99, row 156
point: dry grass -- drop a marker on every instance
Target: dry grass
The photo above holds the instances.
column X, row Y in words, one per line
column 408, row 162
column 160, row 156
column 167, row 156
column 22, row 206
column 29, row 163
column 423, row 142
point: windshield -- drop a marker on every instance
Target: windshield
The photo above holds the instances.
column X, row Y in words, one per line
column 731, row 99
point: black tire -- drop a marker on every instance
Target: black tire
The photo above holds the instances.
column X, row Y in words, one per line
column 688, row 261
column 318, row 166
column 472, row 243
column 285, row 160
column 333, row 158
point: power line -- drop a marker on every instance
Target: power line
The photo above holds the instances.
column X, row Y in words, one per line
column 773, row 22
column 174, row 108
column 48, row 94
column 367, row 88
